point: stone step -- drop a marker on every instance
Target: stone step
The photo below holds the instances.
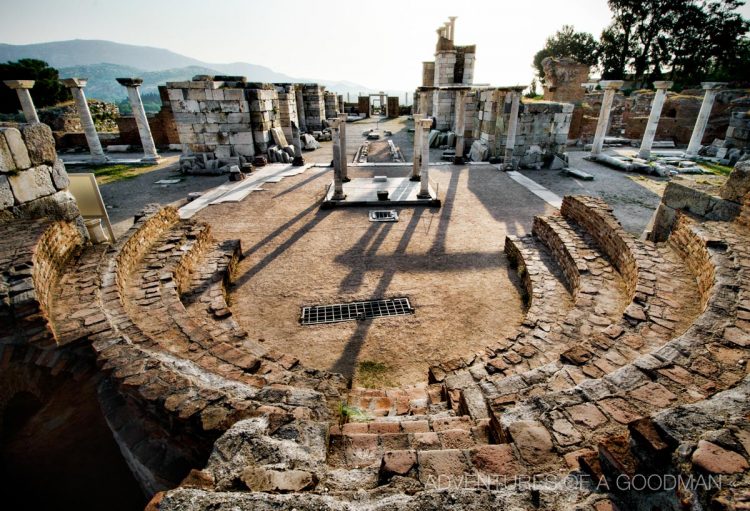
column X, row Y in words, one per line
column 413, row 400
column 361, row 444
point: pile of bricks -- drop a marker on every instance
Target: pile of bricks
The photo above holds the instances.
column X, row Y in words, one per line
column 312, row 96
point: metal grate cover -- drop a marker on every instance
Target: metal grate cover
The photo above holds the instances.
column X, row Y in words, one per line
column 322, row 314
column 383, row 215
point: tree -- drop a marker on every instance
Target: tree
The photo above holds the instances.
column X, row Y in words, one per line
column 47, row 90
column 686, row 40
column 566, row 42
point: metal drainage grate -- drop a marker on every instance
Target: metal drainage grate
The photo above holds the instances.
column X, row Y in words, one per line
column 383, row 215
column 321, row 314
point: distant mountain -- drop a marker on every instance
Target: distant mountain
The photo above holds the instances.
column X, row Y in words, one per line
column 103, row 61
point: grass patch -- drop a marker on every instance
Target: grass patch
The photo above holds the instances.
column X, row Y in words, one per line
column 373, row 374
column 106, row 174
column 715, row 168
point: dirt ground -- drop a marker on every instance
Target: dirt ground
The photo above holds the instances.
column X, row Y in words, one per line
column 449, row 262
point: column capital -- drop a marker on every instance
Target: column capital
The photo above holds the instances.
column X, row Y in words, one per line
column 713, row 85
column 343, row 117
column 611, row 84
column 130, row 82
column 425, row 123
column 663, row 85
column 19, row 84
column 74, row 83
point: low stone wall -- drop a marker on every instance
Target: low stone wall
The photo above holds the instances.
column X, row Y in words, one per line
column 561, row 250
column 596, row 217
column 33, row 181
column 693, row 249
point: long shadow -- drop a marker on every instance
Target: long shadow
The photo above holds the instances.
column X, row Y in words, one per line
column 438, row 246
column 299, row 233
column 301, row 183
column 356, row 256
column 347, row 361
column 282, row 228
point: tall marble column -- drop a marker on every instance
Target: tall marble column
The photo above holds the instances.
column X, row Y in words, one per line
column 300, row 109
column 699, row 129
column 22, row 88
column 417, row 163
column 76, row 86
column 342, row 150
column 459, row 159
column 510, row 139
column 338, row 182
column 609, row 87
column 424, row 177
column 134, row 96
column 653, row 119
column 452, row 27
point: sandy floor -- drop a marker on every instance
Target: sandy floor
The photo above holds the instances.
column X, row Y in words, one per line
column 449, row 262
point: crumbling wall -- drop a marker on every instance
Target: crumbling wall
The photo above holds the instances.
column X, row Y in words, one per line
column 331, row 102
column 563, row 78
column 428, row 74
column 287, row 108
column 312, row 97
column 33, row 181
column 443, row 108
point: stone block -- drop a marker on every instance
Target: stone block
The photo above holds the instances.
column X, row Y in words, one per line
column 6, row 158
column 31, row 184
column 260, row 479
column 17, row 147
column 59, row 175
column 6, row 195
column 533, row 441
column 39, row 143
column 60, row 205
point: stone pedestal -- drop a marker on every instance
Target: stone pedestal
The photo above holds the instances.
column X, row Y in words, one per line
column 338, row 182
column 699, row 129
column 22, row 88
column 459, row 159
column 342, row 143
column 298, row 160
column 76, row 86
column 424, row 189
column 510, row 140
column 609, row 87
column 423, row 104
column 134, row 96
column 417, row 163
column 653, row 119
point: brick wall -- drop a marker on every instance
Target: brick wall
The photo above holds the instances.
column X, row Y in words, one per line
column 694, row 252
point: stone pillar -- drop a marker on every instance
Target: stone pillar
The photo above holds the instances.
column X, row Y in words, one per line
column 458, row 159
column 22, row 88
column 417, row 163
column 609, row 87
column 510, row 139
column 300, row 109
column 653, row 119
column 424, row 177
column 76, row 86
column 134, row 96
column 298, row 160
column 383, row 106
column 699, row 129
column 452, row 27
column 342, row 150
column 338, row 182
column 423, row 104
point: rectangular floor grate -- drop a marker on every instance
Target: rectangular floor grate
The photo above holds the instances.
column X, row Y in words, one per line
column 384, row 215
column 321, row 314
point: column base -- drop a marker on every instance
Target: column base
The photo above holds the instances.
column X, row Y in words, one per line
column 100, row 159
column 338, row 196
column 459, row 160
column 298, row 161
column 415, row 178
column 421, row 195
column 346, row 179
column 644, row 155
column 151, row 159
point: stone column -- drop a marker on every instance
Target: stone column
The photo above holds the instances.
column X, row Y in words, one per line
column 417, row 163
column 453, row 27
column 423, row 103
column 699, row 129
column 510, row 139
column 22, row 88
column 342, row 150
column 298, row 160
column 424, row 177
column 459, row 159
column 76, row 86
column 609, row 87
column 383, row 106
column 338, row 182
column 653, row 119
column 134, row 95
column 300, row 109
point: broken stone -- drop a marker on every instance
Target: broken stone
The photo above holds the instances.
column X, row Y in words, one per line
column 533, row 441
column 716, row 460
column 282, row 481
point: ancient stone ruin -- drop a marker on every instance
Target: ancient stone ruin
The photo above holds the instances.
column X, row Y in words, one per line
column 625, row 384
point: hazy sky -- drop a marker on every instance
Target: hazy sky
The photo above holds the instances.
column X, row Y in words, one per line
column 378, row 43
